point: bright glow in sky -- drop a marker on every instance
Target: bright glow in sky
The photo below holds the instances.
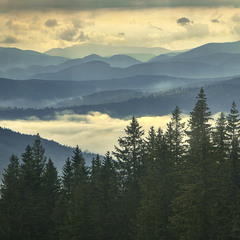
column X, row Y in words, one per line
column 181, row 27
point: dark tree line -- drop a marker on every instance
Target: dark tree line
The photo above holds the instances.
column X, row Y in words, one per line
column 183, row 183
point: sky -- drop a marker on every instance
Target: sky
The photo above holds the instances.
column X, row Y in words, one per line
column 173, row 24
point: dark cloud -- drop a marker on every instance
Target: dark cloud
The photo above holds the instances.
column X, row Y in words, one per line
column 121, row 34
column 156, row 27
column 183, row 21
column 82, row 37
column 69, row 35
column 97, row 4
column 77, row 23
column 51, row 23
column 215, row 21
column 10, row 40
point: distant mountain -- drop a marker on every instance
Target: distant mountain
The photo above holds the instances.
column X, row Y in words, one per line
column 15, row 143
column 94, row 70
column 211, row 48
column 220, row 96
column 102, row 71
column 85, row 49
column 166, row 56
column 121, row 61
column 100, row 97
column 41, row 93
column 16, row 58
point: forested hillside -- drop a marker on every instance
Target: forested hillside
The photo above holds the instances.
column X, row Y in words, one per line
column 183, row 183
column 14, row 143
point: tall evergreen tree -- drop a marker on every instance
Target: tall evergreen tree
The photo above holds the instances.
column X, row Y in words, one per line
column 96, row 208
column 39, row 158
column 194, row 206
column 130, row 156
column 158, row 188
column 220, row 138
column 233, row 128
column 175, row 135
column 80, row 171
column 77, row 224
column 110, row 201
column 67, row 180
column 51, row 190
column 129, row 152
column 233, row 131
column 32, row 194
column 10, row 209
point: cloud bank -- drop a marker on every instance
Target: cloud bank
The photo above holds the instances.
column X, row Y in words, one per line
column 95, row 132
column 9, row 5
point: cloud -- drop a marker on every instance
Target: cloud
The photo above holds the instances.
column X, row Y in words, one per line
column 236, row 29
column 95, row 131
column 51, row 23
column 155, row 27
column 82, row 37
column 121, row 34
column 9, row 40
column 236, row 18
column 215, row 21
column 9, row 5
column 69, row 35
column 77, row 23
column 183, row 21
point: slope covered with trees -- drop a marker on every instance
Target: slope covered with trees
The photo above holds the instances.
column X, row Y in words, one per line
column 183, row 183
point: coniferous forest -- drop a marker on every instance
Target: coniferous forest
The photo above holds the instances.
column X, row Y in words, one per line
column 183, row 184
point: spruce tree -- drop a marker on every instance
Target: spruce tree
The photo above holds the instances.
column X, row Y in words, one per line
column 10, row 209
column 80, row 171
column 110, row 201
column 233, row 131
column 96, row 204
column 67, row 180
column 78, row 222
column 32, row 192
column 130, row 157
column 175, row 135
column 194, row 206
column 158, row 188
column 51, row 190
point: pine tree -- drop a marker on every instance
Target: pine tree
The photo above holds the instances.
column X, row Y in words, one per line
column 96, row 204
column 233, row 129
column 110, row 191
column 194, row 205
column 67, row 180
column 130, row 156
column 77, row 223
column 129, row 152
column 158, row 189
column 51, row 189
column 32, row 193
column 10, row 208
column 233, row 132
column 220, row 138
column 80, row 171
column 39, row 158
column 175, row 135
